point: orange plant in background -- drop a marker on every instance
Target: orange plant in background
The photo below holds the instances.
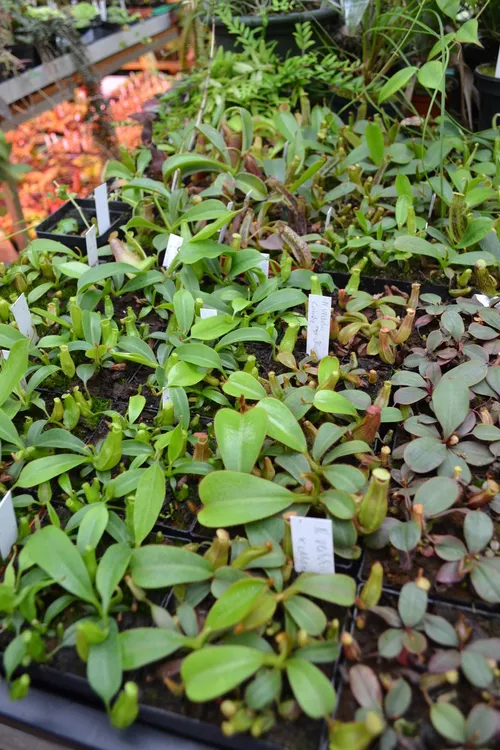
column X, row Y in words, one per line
column 58, row 146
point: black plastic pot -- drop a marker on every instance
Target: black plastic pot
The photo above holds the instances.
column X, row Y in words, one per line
column 279, row 29
column 27, row 53
column 119, row 214
column 489, row 92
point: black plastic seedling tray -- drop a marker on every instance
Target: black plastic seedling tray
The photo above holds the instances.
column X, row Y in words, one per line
column 377, row 285
column 119, row 214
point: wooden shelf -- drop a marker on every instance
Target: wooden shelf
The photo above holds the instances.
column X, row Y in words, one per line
column 41, row 88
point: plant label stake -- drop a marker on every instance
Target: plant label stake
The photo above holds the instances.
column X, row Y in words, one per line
column 173, row 247
column 103, row 11
column 318, row 325
column 8, row 525
column 165, row 397
column 91, row 242
column 497, row 69
column 102, row 208
column 22, row 316
column 223, row 230
column 328, row 217
column 264, row 263
column 312, row 543
column 5, row 356
column 207, row 312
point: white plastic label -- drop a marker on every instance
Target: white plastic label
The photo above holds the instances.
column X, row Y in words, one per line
column 497, row 70
column 91, row 242
column 22, row 316
column 173, row 247
column 264, row 263
column 328, row 217
column 207, row 312
column 312, row 542
column 223, row 230
column 5, row 356
column 165, row 397
column 102, row 208
column 318, row 325
column 8, row 525
column 103, row 11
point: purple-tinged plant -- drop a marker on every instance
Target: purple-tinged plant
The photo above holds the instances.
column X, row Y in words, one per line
column 478, row 730
column 474, row 558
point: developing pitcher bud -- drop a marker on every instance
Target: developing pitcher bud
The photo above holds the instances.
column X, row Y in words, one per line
column 414, row 296
column 373, row 508
column 423, row 583
column 126, row 706
column 485, row 282
column 66, row 361
column 350, row 647
column 404, row 331
column 386, row 351
column 202, row 450
column 383, row 396
column 372, row 590
column 452, row 676
column 368, row 427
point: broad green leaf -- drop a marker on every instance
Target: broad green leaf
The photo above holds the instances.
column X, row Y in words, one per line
column 313, row 691
column 243, row 384
column 104, row 666
column 245, row 334
column 191, row 163
column 437, row 495
column 43, row 469
column 281, row 300
column 448, row 720
column 336, row 588
column 141, row 646
column 158, row 566
column 192, row 252
column 344, row 477
column 476, row 231
column 405, row 536
column 412, row 604
column 200, row 355
column 431, row 74
column 478, row 530
column 396, row 82
column 104, row 271
column 183, row 375
column 14, row 369
column 328, row 434
column 333, row 403
column 424, row 454
column 184, row 309
column 53, row 552
column 110, row 571
column 231, row 498
column 468, row 33
column 92, row 527
column 282, row 425
column 212, row 328
column 235, row 603
column 240, row 437
column 135, row 406
column 482, row 724
column 215, row 670
column 205, row 211
column 449, row 7
column 451, row 404
column 485, row 578
column 306, row 614
column 149, row 499
column 398, row 699
column 9, row 433
column 418, row 246
column 375, row 140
